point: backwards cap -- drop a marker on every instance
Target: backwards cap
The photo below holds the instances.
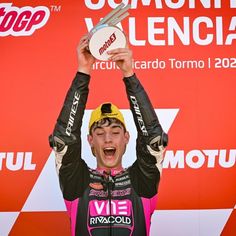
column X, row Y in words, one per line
column 106, row 110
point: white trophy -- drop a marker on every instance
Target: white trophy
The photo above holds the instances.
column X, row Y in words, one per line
column 106, row 35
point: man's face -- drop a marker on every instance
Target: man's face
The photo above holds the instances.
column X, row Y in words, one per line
column 108, row 143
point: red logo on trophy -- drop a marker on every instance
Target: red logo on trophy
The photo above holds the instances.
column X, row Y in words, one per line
column 106, row 35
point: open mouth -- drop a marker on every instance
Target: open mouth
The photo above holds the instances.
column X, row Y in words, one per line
column 110, row 151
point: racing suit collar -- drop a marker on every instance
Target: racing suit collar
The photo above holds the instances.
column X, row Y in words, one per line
column 111, row 172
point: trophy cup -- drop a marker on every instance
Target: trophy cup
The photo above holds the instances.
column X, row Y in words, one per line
column 106, row 35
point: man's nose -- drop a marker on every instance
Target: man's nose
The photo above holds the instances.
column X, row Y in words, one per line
column 108, row 137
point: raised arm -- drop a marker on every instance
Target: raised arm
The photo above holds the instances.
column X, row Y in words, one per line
column 65, row 139
column 151, row 141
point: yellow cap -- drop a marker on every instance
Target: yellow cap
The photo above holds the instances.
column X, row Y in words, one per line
column 106, row 110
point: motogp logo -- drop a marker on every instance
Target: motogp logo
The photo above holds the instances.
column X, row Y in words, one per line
column 21, row 21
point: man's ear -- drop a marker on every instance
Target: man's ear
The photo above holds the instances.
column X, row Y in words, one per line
column 127, row 136
column 90, row 140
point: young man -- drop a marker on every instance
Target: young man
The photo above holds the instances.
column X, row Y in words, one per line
column 110, row 200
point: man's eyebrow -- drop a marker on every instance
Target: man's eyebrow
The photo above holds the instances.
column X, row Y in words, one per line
column 97, row 127
column 113, row 126
column 116, row 126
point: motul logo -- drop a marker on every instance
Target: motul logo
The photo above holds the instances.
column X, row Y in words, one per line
column 21, row 21
column 16, row 161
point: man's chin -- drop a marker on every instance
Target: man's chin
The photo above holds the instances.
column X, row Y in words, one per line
column 110, row 161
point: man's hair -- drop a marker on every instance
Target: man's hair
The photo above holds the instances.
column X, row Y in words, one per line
column 107, row 121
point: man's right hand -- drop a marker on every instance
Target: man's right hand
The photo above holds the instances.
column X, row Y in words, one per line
column 85, row 58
